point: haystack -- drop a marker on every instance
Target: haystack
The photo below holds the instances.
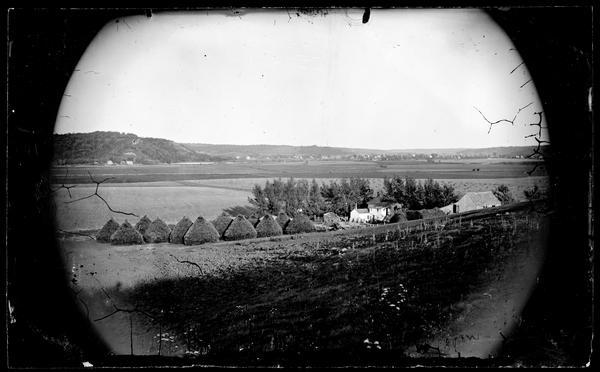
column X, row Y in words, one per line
column 299, row 224
column 283, row 220
column 240, row 228
column 268, row 226
column 107, row 230
column 331, row 218
column 143, row 224
column 126, row 235
column 157, row 232
column 222, row 223
column 178, row 232
column 201, row 232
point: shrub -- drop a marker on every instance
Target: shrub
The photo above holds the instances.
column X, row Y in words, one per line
column 222, row 223
column 240, row 228
column 179, row 231
column 107, row 230
column 399, row 216
column 201, row 232
column 424, row 213
column 299, row 224
column 268, row 226
column 157, row 232
column 503, row 194
column 126, row 235
column 283, row 220
column 143, row 224
column 532, row 193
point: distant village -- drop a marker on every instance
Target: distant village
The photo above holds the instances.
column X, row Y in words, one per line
column 129, row 158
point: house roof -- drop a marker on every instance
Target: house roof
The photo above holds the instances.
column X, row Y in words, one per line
column 362, row 210
column 479, row 198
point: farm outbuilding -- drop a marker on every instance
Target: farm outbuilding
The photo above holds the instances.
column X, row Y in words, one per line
column 201, row 232
column 240, row 228
column 157, row 232
column 126, row 235
column 380, row 209
column 299, row 224
column 268, row 226
column 107, row 230
column 473, row 201
column 178, row 232
column 222, row 223
column 361, row 215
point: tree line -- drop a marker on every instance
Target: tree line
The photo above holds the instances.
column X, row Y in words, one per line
column 301, row 196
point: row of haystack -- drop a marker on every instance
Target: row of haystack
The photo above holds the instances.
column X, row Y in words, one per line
column 201, row 231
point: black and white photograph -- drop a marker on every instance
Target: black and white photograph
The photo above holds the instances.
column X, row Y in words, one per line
column 299, row 187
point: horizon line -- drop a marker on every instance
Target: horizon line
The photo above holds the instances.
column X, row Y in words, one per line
column 325, row 146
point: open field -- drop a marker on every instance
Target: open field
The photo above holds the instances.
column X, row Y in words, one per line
column 488, row 169
column 171, row 200
column 338, row 298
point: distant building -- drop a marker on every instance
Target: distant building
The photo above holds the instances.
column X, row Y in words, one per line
column 379, row 209
column 361, row 215
column 473, row 201
column 376, row 211
column 129, row 162
column 109, row 162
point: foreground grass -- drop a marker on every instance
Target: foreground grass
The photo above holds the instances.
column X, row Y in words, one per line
column 331, row 299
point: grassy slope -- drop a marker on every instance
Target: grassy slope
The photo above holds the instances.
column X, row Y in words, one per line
column 312, row 300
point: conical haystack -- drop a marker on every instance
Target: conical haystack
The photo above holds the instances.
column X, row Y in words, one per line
column 222, row 223
column 240, row 228
column 126, row 235
column 201, row 232
column 107, row 230
column 268, row 227
column 299, row 224
column 331, row 218
column 283, row 220
column 157, row 232
column 143, row 224
column 179, row 231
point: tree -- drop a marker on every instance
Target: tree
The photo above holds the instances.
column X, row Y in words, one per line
column 341, row 197
column 416, row 195
column 532, row 193
column 316, row 202
column 394, row 190
column 259, row 201
column 503, row 194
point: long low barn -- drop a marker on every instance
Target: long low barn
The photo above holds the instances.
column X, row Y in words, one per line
column 473, row 201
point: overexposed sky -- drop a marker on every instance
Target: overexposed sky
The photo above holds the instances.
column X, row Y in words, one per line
column 406, row 79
